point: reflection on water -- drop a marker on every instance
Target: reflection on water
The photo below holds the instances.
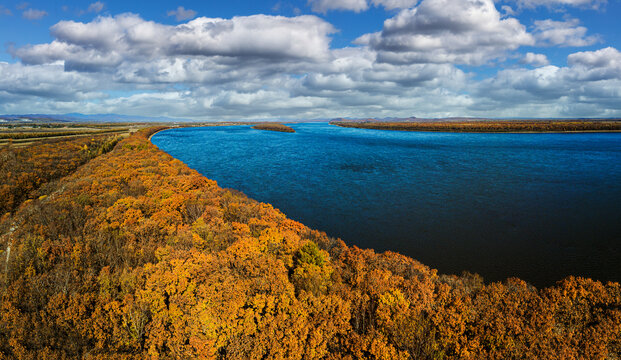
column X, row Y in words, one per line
column 535, row 206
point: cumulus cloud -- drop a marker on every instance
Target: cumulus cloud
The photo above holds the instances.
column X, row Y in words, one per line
column 507, row 11
column 182, row 14
column 607, row 57
column 562, row 33
column 108, row 41
column 395, row 4
column 262, row 36
column 589, row 86
column 47, row 81
column 535, row 59
column 603, row 64
column 34, row 14
column 323, row 6
column 473, row 33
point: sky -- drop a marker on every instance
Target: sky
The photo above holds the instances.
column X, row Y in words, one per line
column 312, row 59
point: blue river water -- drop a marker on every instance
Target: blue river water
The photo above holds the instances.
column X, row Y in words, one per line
column 535, row 206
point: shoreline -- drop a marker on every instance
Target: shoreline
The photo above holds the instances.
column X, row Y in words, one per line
column 160, row 130
column 488, row 132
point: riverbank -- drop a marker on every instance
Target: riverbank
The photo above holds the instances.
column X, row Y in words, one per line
column 483, row 126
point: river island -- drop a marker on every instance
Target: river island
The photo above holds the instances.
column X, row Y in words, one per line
column 274, row 127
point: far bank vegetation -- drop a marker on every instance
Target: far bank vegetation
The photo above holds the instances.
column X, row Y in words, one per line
column 274, row 127
column 490, row 125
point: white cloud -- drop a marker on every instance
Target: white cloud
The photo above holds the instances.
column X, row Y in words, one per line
column 323, row 6
column 34, row 14
column 72, row 56
column 273, row 37
column 595, row 4
column 182, row 14
column 562, row 33
column 607, row 57
column 47, row 81
column 395, row 4
column 108, row 41
column 603, row 64
column 471, row 33
column 535, row 59
column 590, row 86
column 507, row 11
column 95, row 7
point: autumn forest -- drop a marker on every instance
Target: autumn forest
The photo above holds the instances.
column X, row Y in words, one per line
column 112, row 249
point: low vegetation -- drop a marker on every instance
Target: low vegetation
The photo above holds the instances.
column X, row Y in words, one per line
column 36, row 134
column 136, row 256
column 274, row 127
column 488, row 126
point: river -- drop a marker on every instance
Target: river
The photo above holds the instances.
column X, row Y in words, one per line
column 534, row 206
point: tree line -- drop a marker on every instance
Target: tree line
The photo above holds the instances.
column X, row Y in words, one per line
column 488, row 125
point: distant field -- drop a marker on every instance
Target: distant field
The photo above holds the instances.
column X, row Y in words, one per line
column 22, row 134
column 26, row 134
column 32, row 135
column 274, row 127
column 490, row 126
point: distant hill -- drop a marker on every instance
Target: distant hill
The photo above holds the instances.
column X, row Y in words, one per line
column 116, row 118
column 77, row 117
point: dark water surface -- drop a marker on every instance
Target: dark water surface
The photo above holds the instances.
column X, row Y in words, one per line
column 535, row 206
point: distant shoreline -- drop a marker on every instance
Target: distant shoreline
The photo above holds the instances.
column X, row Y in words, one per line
column 506, row 126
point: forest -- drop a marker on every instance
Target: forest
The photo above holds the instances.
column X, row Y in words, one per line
column 133, row 255
column 489, row 125
column 274, row 127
